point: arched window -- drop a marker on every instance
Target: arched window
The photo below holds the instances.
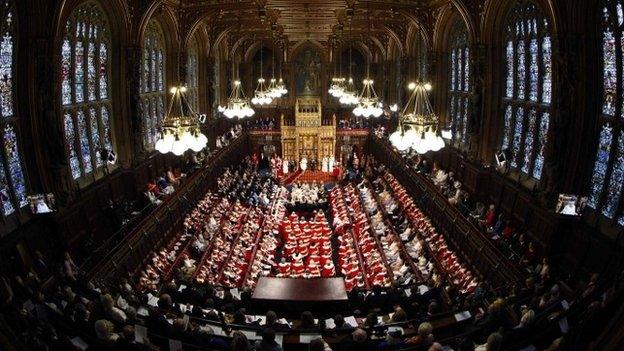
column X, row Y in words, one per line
column 608, row 176
column 85, row 77
column 460, row 86
column 153, row 81
column 192, row 72
column 527, row 92
column 12, row 179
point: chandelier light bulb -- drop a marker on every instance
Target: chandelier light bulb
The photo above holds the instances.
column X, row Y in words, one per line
column 178, row 147
column 428, row 86
column 395, row 137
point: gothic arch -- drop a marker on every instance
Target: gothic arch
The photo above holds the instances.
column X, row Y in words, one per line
column 448, row 17
column 117, row 13
column 414, row 35
column 200, row 34
column 167, row 20
column 395, row 42
column 359, row 46
column 308, row 43
column 495, row 15
column 250, row 52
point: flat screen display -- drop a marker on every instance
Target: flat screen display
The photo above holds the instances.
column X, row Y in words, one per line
column 571, row 205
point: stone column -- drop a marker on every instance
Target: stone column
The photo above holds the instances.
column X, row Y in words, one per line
column 137, row 127
column 54, row 149
column 565, row 73
column 473, row 127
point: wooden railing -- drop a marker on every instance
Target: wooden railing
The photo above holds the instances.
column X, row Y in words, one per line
column 470, row 242
column 158, row 228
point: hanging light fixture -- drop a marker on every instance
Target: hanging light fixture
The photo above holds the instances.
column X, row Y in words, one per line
column 368, row 103
column 262, row 93
column 350, row 94
column 418, row 125
column 237, row 104
column 274, row 91
column 337, row 86
column 281, row 86
column 180, row 129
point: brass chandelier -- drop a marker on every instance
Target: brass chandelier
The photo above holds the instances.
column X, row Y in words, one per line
column 180, row 128
column 418, row 127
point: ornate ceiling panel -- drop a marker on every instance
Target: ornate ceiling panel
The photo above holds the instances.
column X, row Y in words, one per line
column 292, row 21
column 307, row 19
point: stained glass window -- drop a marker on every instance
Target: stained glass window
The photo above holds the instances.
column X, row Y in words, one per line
column 605, row 189
column 460, row 89
column 527, row 89
column 152, row 81
column 13, row 186
column 85, row 76
column 192, row 72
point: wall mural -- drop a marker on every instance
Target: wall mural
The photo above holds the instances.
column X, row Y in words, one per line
column 308, row 72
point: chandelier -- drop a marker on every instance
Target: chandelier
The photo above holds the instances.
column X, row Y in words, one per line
column 237, row 103
column 368, row 103
column 281, row 87
column 276, row 88
column 180, row 131
column 349, row 94
column 418, row 127
column 262, row 95
column 336, row 88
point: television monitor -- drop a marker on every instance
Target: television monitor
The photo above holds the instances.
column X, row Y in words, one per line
column 41, row 203
column 570, row 204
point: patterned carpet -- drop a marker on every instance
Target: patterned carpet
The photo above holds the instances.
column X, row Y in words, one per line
column 316, row 176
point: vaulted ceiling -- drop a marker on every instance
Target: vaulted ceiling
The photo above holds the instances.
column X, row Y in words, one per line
column 375, row 23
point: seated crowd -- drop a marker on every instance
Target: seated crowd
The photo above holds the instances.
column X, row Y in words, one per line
column 226, row 138
column 262, row 123
column 404, row 281
column 509, row 237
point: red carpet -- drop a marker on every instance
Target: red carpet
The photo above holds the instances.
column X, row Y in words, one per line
column 316, row 176
column 291, row 177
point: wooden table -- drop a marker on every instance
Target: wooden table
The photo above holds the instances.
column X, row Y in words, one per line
column 300, row 290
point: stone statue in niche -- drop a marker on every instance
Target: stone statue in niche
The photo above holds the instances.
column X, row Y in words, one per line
column 308, row 72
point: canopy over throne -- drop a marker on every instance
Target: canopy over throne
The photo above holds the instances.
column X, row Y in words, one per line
column 309, row 137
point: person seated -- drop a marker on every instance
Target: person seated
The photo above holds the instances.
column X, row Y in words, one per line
column 489, row 219
column 358, row 341
column 393, row 340
column 151, row 197
column 478, row 213
column 273, row 322
column 267, row 343
column 424, row 339
column 172, row 178
column 164, row 186
column 307, row 321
